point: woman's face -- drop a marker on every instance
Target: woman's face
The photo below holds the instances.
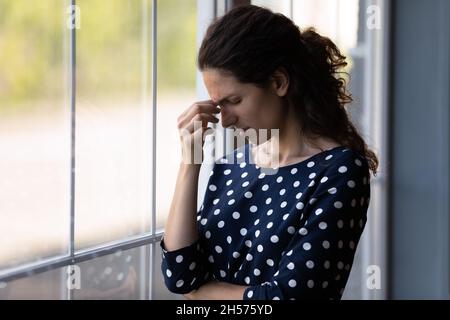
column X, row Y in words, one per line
column 244, row 105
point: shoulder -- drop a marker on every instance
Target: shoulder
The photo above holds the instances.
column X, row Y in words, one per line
column 344, row 162
column 345, row 172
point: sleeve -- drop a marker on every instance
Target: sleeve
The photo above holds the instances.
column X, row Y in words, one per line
column 317, row 261
column 184, row 269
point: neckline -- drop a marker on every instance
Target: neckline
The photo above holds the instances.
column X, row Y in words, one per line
column 299, row 163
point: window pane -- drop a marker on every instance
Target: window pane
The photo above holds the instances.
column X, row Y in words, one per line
column 281, row 6
column 113, row 133
column 34, row 131
column 337, row 19
column 121, row 275
column 177, row 21
column 49, row 285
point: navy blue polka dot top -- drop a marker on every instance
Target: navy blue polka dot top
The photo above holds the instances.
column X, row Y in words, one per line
column 290, row 233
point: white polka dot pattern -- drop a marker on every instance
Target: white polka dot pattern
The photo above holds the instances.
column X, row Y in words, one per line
column 287, row 235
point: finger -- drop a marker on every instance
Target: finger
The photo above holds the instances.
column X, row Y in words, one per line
column 201, row 108
column 204, row 118
column 209, row 101
column 186, row 118
column 205, row 102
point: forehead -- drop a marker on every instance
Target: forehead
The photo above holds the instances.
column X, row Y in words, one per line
column 221, row 85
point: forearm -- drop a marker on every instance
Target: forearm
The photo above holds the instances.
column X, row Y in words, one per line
column 181, row 230
column 215, row 290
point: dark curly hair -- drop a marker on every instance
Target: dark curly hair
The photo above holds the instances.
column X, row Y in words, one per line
column 252, row 42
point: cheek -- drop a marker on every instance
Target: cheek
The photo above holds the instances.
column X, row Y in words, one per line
column 265, row 112
column 253, row 114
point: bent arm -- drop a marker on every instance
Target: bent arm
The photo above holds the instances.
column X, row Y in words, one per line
column 181, row 229
column 183, row 264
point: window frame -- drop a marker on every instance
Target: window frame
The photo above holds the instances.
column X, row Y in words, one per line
column 375, row 49
column 207, row 10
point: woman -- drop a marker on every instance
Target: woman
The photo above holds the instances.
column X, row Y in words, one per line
column 288, row 235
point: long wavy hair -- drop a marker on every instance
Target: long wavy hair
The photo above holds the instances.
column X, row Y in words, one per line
column 252, row 42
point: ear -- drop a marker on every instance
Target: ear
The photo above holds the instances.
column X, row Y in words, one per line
column 280, row 82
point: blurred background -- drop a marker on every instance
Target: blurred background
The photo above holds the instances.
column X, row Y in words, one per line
column 89, row 96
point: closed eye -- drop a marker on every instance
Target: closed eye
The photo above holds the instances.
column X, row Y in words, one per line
column 230, row 101
column 237, row 101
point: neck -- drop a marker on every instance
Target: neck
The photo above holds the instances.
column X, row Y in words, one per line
column 291, row 146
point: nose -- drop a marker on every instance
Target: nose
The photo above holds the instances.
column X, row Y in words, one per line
column 228, row 119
